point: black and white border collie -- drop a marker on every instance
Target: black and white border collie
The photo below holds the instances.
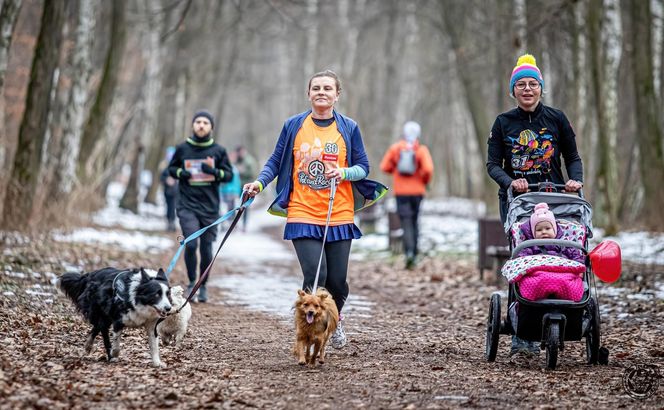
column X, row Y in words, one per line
column 112, row 299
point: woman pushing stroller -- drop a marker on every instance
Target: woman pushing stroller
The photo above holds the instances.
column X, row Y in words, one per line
column 526, row 144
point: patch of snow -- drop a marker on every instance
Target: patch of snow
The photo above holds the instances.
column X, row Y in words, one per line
column 13, row 274
column 274, row 293
column 36, row 293
column 639, row 247
column 131, row 241
column 149, row 218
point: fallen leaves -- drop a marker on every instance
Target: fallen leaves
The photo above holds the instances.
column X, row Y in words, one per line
column 421, row 345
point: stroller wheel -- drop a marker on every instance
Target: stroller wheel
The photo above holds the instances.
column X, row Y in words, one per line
column 552, row 346
column 592, row 335
column 493, row 328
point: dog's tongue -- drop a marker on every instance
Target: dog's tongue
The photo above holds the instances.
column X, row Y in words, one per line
column 310, row 317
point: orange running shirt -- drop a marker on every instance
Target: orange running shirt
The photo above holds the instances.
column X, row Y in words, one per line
column 315, row 151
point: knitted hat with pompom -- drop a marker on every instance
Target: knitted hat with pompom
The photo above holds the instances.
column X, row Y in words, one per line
column 526, row 66
column 542, row 214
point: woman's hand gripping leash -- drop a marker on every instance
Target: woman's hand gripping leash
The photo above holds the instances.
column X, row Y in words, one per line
column 251, row 190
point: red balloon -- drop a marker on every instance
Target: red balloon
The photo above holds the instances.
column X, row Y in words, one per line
column 606, row 261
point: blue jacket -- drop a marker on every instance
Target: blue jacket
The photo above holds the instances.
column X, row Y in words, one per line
column 280, row 164
column 233, row 187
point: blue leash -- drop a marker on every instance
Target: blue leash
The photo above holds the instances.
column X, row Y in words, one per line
column 201, row 231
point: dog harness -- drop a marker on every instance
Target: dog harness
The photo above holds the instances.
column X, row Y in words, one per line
column 120, row 286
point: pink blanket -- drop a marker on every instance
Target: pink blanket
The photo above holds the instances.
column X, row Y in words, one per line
column 552, row 282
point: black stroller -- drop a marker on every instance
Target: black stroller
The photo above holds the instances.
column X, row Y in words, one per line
column 552, row 322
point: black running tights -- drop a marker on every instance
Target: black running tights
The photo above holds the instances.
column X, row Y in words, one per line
column 333, row 270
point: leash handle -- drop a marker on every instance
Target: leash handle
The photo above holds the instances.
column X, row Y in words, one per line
column 333, row 191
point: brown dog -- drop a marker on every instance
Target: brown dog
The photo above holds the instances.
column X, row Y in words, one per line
column 316, row 318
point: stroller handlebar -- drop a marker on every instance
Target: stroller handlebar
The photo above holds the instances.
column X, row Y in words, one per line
column 542, row 187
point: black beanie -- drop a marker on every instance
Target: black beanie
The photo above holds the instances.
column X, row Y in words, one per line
column 206, row 114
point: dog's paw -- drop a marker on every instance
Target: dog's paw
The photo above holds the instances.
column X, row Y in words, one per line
column 114, row 360
column 115, row 353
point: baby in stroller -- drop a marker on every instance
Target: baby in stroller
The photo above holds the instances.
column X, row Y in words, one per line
column 541, row 284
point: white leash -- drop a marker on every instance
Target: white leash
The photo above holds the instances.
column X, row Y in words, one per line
column 333, row 191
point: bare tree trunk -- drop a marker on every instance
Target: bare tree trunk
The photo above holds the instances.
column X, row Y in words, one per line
column 129, row 200
column 578, row 92
column 98, row 116
column 648, row 114
column 312, row 37
column 71, row 118
column 605, row 176
column 165, row 128
column 351, row 31
column 152, row 91
column 661, row 58
column 8, row 17
column 471, row 91
column 505, row 53
column 25, row 174
column 631, row 188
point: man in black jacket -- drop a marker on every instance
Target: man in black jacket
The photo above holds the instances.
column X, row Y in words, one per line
column 200, row 165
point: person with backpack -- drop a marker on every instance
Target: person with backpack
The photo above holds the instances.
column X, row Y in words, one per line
column 410, row 163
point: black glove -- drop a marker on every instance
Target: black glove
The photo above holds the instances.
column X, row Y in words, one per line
column 184, row 174
column 205, row 167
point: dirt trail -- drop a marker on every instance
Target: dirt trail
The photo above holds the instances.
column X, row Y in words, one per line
column 422, row 346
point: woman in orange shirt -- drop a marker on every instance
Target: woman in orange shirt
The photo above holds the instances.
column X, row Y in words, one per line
column 314, row 147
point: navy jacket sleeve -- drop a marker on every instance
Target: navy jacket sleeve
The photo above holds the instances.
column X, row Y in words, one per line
column 358, row 154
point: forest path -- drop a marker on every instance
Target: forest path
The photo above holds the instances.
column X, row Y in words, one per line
column 416, row 340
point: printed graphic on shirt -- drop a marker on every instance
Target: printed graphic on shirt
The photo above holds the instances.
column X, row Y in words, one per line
column 313, row 160
column 532, row 152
